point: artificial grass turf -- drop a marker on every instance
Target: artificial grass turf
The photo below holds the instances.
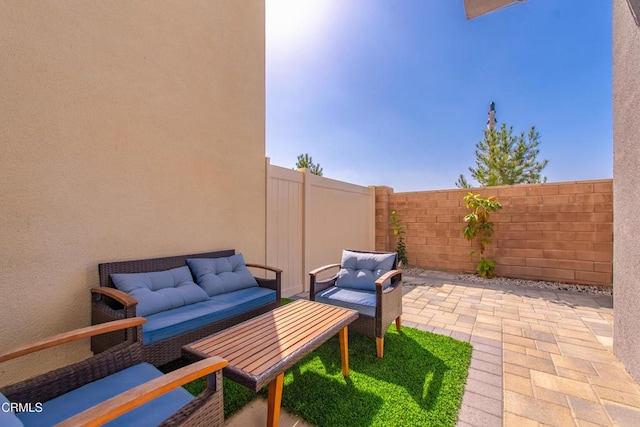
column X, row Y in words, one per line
column 419, row 382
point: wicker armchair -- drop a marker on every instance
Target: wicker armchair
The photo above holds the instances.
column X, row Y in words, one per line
column 373, row 320
column 46, row 391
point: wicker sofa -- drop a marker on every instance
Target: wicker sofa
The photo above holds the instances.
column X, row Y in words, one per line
column 219, row 299
column 113, row 386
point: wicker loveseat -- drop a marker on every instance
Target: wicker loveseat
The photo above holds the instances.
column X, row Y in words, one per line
column 178, row 312
column 115, row 386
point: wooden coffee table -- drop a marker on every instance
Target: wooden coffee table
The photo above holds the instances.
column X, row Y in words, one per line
column 261, row 349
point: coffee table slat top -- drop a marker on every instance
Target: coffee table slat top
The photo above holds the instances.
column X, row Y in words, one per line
column 260, row 348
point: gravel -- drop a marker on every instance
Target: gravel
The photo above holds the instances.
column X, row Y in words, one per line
column 541, row 284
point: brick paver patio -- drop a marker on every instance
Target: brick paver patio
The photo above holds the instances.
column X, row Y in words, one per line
column 540, row 357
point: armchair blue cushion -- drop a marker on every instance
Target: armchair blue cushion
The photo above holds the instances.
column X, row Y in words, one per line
column 160, row 290
column 362, row 301
column 361, row 270
column 150, row 414
column 7, row 417
column 221, row 275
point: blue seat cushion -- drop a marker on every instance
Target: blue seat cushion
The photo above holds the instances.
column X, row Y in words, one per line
column 360, row 270
column 160, row 290
column 171, row 323
column 7, row 417
column 150, row 414
column 221, row 275
column 362, row 301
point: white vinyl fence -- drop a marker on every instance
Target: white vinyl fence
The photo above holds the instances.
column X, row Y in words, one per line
column 310, row 219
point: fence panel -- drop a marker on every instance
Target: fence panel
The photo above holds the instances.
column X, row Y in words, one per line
column 339, row 216
column 285, row 216
column 310, row 219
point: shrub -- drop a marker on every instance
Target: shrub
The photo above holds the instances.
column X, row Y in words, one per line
column 479, row 227
column 399, row 230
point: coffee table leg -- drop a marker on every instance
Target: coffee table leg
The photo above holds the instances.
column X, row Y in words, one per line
column 344, row 350
column 275, row 399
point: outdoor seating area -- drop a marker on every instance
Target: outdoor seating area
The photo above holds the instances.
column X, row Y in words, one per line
column 537, row 356
column 165, row 261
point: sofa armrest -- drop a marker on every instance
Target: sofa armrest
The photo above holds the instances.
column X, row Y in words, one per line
column 273, row 284
column 122, row 297
column 131, row 399
column 265, row 267
column 70, row 336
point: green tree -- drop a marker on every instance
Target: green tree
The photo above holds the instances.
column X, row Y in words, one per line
column 506, row 159
column 462, row 182
column 305, row 161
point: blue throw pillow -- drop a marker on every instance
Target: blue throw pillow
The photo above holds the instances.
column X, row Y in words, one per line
column 160, row 290
column 221, row 275
column 361, row 270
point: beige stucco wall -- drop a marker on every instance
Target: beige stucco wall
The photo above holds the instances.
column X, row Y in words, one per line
column 626, row 157
column 127, row 130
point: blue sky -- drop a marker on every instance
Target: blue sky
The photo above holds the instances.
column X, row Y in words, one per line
column 396, row 92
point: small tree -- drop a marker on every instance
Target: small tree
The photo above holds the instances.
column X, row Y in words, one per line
column 462, row 182
column 505, row 159
column 480, row 228
column 399, row 230
column 305, row 161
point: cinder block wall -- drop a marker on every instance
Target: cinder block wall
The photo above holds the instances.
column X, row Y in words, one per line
column 552, row 231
